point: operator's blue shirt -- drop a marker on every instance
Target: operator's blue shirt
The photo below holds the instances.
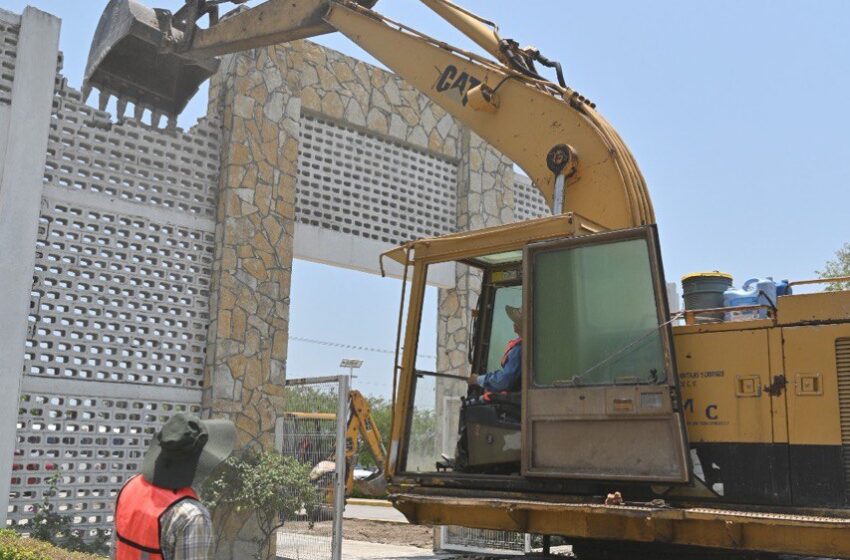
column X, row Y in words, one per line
column 507, row 378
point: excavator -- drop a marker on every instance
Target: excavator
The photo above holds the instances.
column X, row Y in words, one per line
column 360, row 425
column 723, row 438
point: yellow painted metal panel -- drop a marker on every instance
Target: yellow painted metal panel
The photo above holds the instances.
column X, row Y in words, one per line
column 496, row 239
column 724, row 327
column 821, row 306
column 812, row 391
column 721, row 378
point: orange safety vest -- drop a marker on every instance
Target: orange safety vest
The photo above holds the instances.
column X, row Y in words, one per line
column 511, row 344
column 138, row 512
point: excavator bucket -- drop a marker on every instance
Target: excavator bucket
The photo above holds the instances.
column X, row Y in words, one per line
column 128, row 59
column 142, row 55
column 374, row 487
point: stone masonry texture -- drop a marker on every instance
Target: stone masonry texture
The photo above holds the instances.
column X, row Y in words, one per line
column 257, row 95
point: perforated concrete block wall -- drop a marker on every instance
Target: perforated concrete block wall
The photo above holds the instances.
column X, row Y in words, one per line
column 357, row 182
column 8, row 53
column 131, row 162
column 118, row 298
column 529, row 203
column 94, row 443
column 119, row 305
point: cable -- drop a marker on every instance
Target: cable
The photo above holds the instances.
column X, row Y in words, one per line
column 577, row 379
column 351, row 346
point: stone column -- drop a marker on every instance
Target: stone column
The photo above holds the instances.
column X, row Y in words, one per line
column 24, row 126
column 257, row 96
column 485, row 198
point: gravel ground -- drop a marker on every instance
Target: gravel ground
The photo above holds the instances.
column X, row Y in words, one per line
column 388, row 533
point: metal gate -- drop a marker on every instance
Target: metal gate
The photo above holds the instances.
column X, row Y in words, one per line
column 312, row 430
column 483, row 541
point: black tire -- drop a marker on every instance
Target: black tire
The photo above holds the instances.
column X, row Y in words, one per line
column 622, row 550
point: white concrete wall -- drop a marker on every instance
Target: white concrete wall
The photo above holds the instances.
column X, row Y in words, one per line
column 27, row 122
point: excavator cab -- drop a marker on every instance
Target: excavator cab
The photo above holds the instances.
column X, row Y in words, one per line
column 599, row 398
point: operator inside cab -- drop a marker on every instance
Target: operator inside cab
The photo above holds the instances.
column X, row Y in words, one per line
column 489, row 434
column 508, row 378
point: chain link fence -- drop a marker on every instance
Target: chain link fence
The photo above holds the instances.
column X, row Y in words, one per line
column 315, row 420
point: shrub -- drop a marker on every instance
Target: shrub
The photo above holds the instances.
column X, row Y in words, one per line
column 15, row 547
column 50, row 526
column 272, row 487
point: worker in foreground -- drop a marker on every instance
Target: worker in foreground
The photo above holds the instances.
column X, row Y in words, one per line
column 509, row 376
column 158, row 515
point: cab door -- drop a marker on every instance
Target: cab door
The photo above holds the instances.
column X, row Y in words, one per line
column 600, row 392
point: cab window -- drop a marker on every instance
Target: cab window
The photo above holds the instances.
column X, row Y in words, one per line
column 502, row 328
column 595, row 318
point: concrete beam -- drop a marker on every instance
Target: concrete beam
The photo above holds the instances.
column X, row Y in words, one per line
column 110, row 390
column 113, row 204
column 20, row 202
column 344, row 250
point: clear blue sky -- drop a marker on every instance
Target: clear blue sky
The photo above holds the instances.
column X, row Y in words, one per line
column 737, row 112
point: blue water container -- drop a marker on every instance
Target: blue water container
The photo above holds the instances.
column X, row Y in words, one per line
column 783, row 289
column 755, row 291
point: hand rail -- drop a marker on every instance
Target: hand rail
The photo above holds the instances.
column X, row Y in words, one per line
column 832, row 280
column 422, row 373
column 690, row 314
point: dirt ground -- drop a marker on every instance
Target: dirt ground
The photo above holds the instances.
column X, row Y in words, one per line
column 384, row 532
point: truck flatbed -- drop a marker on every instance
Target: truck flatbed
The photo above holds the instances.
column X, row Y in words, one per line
column 798, row 533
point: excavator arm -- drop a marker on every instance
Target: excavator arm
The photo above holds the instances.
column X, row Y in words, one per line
column 575, row 158
column 361, row 425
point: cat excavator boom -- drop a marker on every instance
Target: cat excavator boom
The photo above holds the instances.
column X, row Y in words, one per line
column 157, row 60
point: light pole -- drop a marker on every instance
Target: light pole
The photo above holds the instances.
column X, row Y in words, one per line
column 351, row 364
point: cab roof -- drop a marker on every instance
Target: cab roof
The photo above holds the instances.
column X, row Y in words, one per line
column 491, row 240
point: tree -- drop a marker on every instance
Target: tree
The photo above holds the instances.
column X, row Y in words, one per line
column 273, row 487
column 309, row 399
column 839, row 266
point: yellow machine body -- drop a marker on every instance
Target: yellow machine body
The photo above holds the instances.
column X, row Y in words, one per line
column 762, row 405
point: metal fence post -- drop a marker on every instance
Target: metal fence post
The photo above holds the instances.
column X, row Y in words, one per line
column 339, row 490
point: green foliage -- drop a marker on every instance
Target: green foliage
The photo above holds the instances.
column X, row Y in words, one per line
column 839, row 266
column 272, row 487
column 52, row 527
column 15, row 547
column 303, row 398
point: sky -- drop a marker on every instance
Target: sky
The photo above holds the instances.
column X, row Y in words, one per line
column 737, row 112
